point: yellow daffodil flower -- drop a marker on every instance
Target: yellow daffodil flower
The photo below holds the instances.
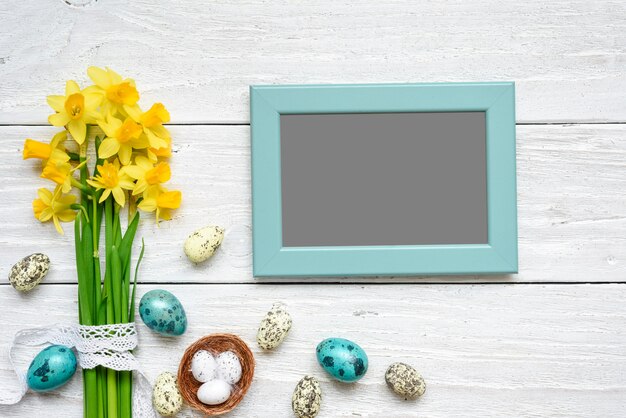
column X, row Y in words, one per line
column 122, row 138
column 54, row 150
column 152, row 122
column 156, row 115
column 36, row 149
column 148, row 174
column 119, row 94
column 59, row 172
column 113, row 180
column 159, row 199
column 164, row 152
column 74, row 110
column 54, row 206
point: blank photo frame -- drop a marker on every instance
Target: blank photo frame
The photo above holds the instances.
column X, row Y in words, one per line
column 412, row 179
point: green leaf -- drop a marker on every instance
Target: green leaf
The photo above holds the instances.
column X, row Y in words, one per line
column 131, row 314
column 116, row 280
column 129, row 236
column 86, row 287
column 102, row 309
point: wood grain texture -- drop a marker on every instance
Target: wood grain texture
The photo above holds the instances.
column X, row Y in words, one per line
column 518, row 350
column 567, row 57
column 572, row 207
column 485, row 351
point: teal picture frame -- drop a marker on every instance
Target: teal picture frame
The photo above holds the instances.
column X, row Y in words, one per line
column 498, row 256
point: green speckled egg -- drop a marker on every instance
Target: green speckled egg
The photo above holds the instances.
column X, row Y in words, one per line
column 53, row 367
column 163, row 313
column 342, row 359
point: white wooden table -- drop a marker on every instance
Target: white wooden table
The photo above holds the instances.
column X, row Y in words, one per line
column 549, row 341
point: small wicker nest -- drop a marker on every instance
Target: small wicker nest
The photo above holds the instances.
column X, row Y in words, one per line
column 216, row 343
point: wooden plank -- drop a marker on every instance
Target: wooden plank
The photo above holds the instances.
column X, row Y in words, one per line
column 572, row 209
column 567, row 57
column 501, row 351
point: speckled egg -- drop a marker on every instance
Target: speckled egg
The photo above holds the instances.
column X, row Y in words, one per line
column 163, row 313
column 53, row 367
column 203, row 243
column 214, row 392
column 203, row 366
column 228, row 367
column 307, row 398
column 405, row 380
column 166, row 396
column 342, row 359
column 274, row 327
column 29, row 272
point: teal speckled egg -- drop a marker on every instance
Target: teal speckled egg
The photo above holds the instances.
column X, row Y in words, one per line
column 342, row 359
column 53, row 367
column 162, row 313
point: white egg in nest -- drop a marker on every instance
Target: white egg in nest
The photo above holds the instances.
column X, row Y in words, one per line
column 228, row 367
column 203, row 366
column 214, row 392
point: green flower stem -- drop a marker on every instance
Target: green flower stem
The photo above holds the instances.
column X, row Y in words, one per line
column 103, row 299
column 111, row 375
column 112, row 405
column 97, row 279
column 84, row 270
column 78, row 206
column 86, row 191
column 124, row 258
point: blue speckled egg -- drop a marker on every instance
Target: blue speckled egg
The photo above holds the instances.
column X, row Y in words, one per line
column 53, row 367
column 162, row 313
column 342, row 359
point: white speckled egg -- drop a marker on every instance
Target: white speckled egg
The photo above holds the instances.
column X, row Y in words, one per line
column 29, row 272
column 228, row 367
column 274, row 327
column 405, row 380
column 203, row 366
column 166, row 397
column 203, row 243
column 307, row 398
column 214, row 392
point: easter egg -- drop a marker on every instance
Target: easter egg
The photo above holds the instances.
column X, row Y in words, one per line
column 166, row 396
column 405, row 380
column 163, row 313
column 342, row 359
column 203, row 366
column 29, row 272
column 53, row 367
column 214, row 392
column 203, row 243
column 307, row 398
column 228, row 367
column 274, row 327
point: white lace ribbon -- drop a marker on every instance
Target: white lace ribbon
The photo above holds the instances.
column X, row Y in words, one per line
column 98, row 345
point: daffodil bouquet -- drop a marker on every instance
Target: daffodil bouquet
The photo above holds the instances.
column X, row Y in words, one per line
column 125, row 165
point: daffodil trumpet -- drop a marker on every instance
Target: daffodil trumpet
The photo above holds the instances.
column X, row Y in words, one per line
column 130, row 168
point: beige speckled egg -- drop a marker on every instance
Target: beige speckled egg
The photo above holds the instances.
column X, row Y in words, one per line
column 166, row 397
column 203, row 243
column 29, row 272
column 405, row 380
column 274, row 327
column 307, row 398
